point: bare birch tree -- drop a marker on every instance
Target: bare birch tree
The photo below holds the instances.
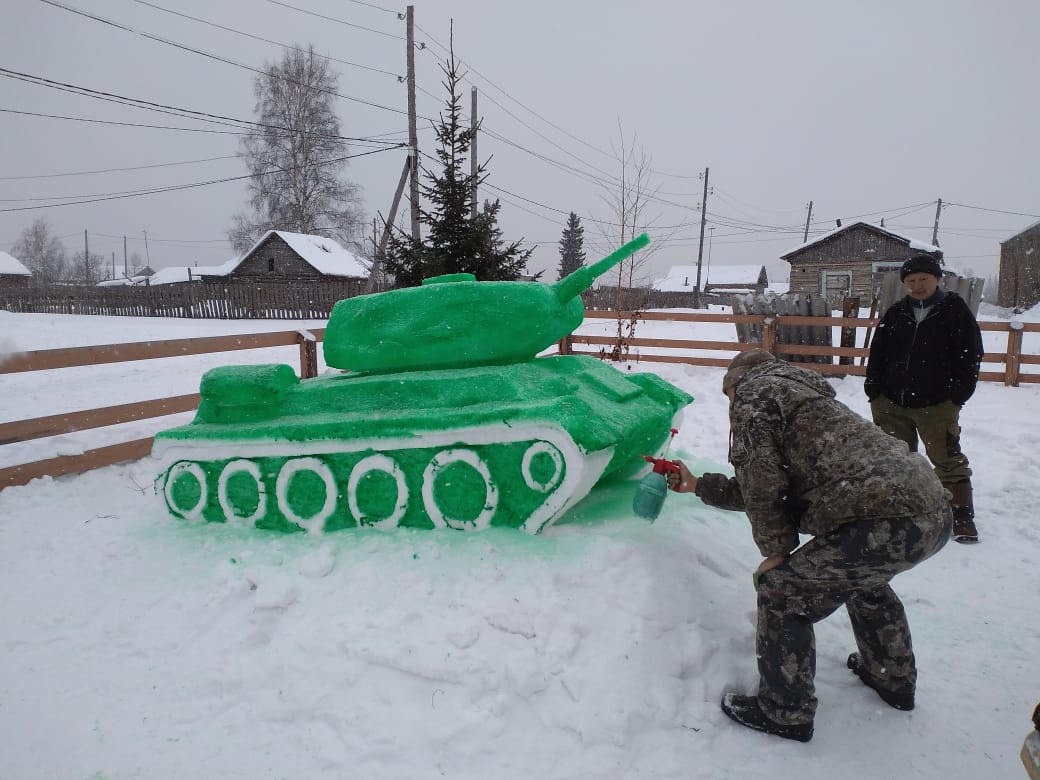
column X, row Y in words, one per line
column 41, row 252
column 630, row 201
column 296, row 155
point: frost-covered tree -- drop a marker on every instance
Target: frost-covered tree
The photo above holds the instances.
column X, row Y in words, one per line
column 296, row 155
column 572, row 246
column 86, row 269
column 41, row 252
column 456, row 242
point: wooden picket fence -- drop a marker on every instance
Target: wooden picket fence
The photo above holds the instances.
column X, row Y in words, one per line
column 236, row 300
column 1009, row 372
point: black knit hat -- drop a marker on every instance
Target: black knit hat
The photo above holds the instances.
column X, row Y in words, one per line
column 920, row 264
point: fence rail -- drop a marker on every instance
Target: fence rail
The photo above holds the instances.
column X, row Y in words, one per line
column 1010, row 361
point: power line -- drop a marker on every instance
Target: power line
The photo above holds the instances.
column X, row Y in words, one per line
column 207, row 54
column 337, row 21
column 993, row 211
column 148, row 105
column 118, row 170
column 157, row 190
column 267, row 40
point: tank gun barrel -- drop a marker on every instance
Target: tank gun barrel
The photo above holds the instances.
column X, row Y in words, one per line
column 574, row 284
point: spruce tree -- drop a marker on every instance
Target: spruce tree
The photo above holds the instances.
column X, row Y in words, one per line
column 456, row 242
column 572, row 249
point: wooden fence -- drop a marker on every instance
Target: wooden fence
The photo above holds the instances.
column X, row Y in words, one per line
column 1009, row 372
column 238, row 300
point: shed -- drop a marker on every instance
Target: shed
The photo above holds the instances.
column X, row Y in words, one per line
column 851, row 260
column 1018, row 286
column 715, row 279
column 13, row 273
column 284, row 256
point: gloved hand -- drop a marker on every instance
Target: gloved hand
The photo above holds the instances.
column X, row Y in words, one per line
column 766, row 565
column 684, row 481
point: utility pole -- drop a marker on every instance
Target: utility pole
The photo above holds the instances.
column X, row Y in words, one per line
column 113, row 265
column 86, row 258
column 700, row 246
column 389, row 225
column 147, row 254
column 126, row 265
column 935, row 230
column 473, row 149
column 413, row 132
column 808, row 217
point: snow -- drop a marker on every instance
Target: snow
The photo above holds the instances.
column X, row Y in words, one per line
column 9, row 265
column 683, row 278
column 137, row 646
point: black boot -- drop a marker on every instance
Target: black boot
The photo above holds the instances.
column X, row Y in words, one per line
column 964, row 530
column 745, row 711
column 901, row 700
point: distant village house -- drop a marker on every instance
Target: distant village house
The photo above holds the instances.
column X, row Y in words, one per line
column 1019, row 285
column 850, row 260
column 13, row 273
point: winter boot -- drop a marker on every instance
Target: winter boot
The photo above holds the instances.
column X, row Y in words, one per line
column 964, row 530
column 745, row 711
column 901, row 700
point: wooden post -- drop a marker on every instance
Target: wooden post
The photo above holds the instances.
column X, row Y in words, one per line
column 413, row 133
column 849, row 308
column 769, row 335
column 1014, row 354
column 308, row 354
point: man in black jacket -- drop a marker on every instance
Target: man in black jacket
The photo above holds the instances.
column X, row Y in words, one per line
column 923, row 367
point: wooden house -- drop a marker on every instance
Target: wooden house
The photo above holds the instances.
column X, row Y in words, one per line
column 13, row 273
column 283, row 256
column 851, row 261
column 1018, row 286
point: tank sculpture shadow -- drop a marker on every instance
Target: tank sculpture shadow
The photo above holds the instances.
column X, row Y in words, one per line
column 443, row 417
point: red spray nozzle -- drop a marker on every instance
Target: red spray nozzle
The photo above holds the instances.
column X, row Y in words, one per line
column 662, row 465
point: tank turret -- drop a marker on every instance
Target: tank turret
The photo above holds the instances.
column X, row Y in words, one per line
column 455, row 321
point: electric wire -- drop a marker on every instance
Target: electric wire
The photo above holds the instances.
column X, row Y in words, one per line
column 173, row 188
column 210, row 55
column 267, row 40
column 187, row 113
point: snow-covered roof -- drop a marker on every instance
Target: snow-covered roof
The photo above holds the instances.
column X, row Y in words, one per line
column 8, row 265
column 915, row 244
column 324, row 254
column 683, row 278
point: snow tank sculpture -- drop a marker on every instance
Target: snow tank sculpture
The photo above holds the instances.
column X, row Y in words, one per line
column 443, row 417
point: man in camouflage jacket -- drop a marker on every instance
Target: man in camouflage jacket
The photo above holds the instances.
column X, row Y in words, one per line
column 805, row 463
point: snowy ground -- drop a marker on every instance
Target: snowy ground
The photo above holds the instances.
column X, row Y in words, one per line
column 136, row 646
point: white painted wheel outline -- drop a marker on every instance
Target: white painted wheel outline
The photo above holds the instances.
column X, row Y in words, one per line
column 446, row 458
column 387, row 465
column 315, row 524
column 250, row 468
column 534, row 451
column 195, row 513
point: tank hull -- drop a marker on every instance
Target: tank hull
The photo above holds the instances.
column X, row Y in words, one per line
column 465, row 449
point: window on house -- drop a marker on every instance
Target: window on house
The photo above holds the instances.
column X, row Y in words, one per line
column 270, row 265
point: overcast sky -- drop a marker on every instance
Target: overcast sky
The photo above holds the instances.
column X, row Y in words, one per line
column 868, row 110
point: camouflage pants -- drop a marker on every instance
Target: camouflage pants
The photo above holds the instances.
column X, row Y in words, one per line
column 851, row 565
column 938, row 427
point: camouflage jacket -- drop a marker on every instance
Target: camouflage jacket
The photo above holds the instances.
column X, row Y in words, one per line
column 806, row 463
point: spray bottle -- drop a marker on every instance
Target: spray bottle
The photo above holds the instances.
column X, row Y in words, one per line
column 653, row 488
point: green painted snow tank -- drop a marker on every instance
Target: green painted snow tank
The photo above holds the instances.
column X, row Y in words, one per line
column 444, row 418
